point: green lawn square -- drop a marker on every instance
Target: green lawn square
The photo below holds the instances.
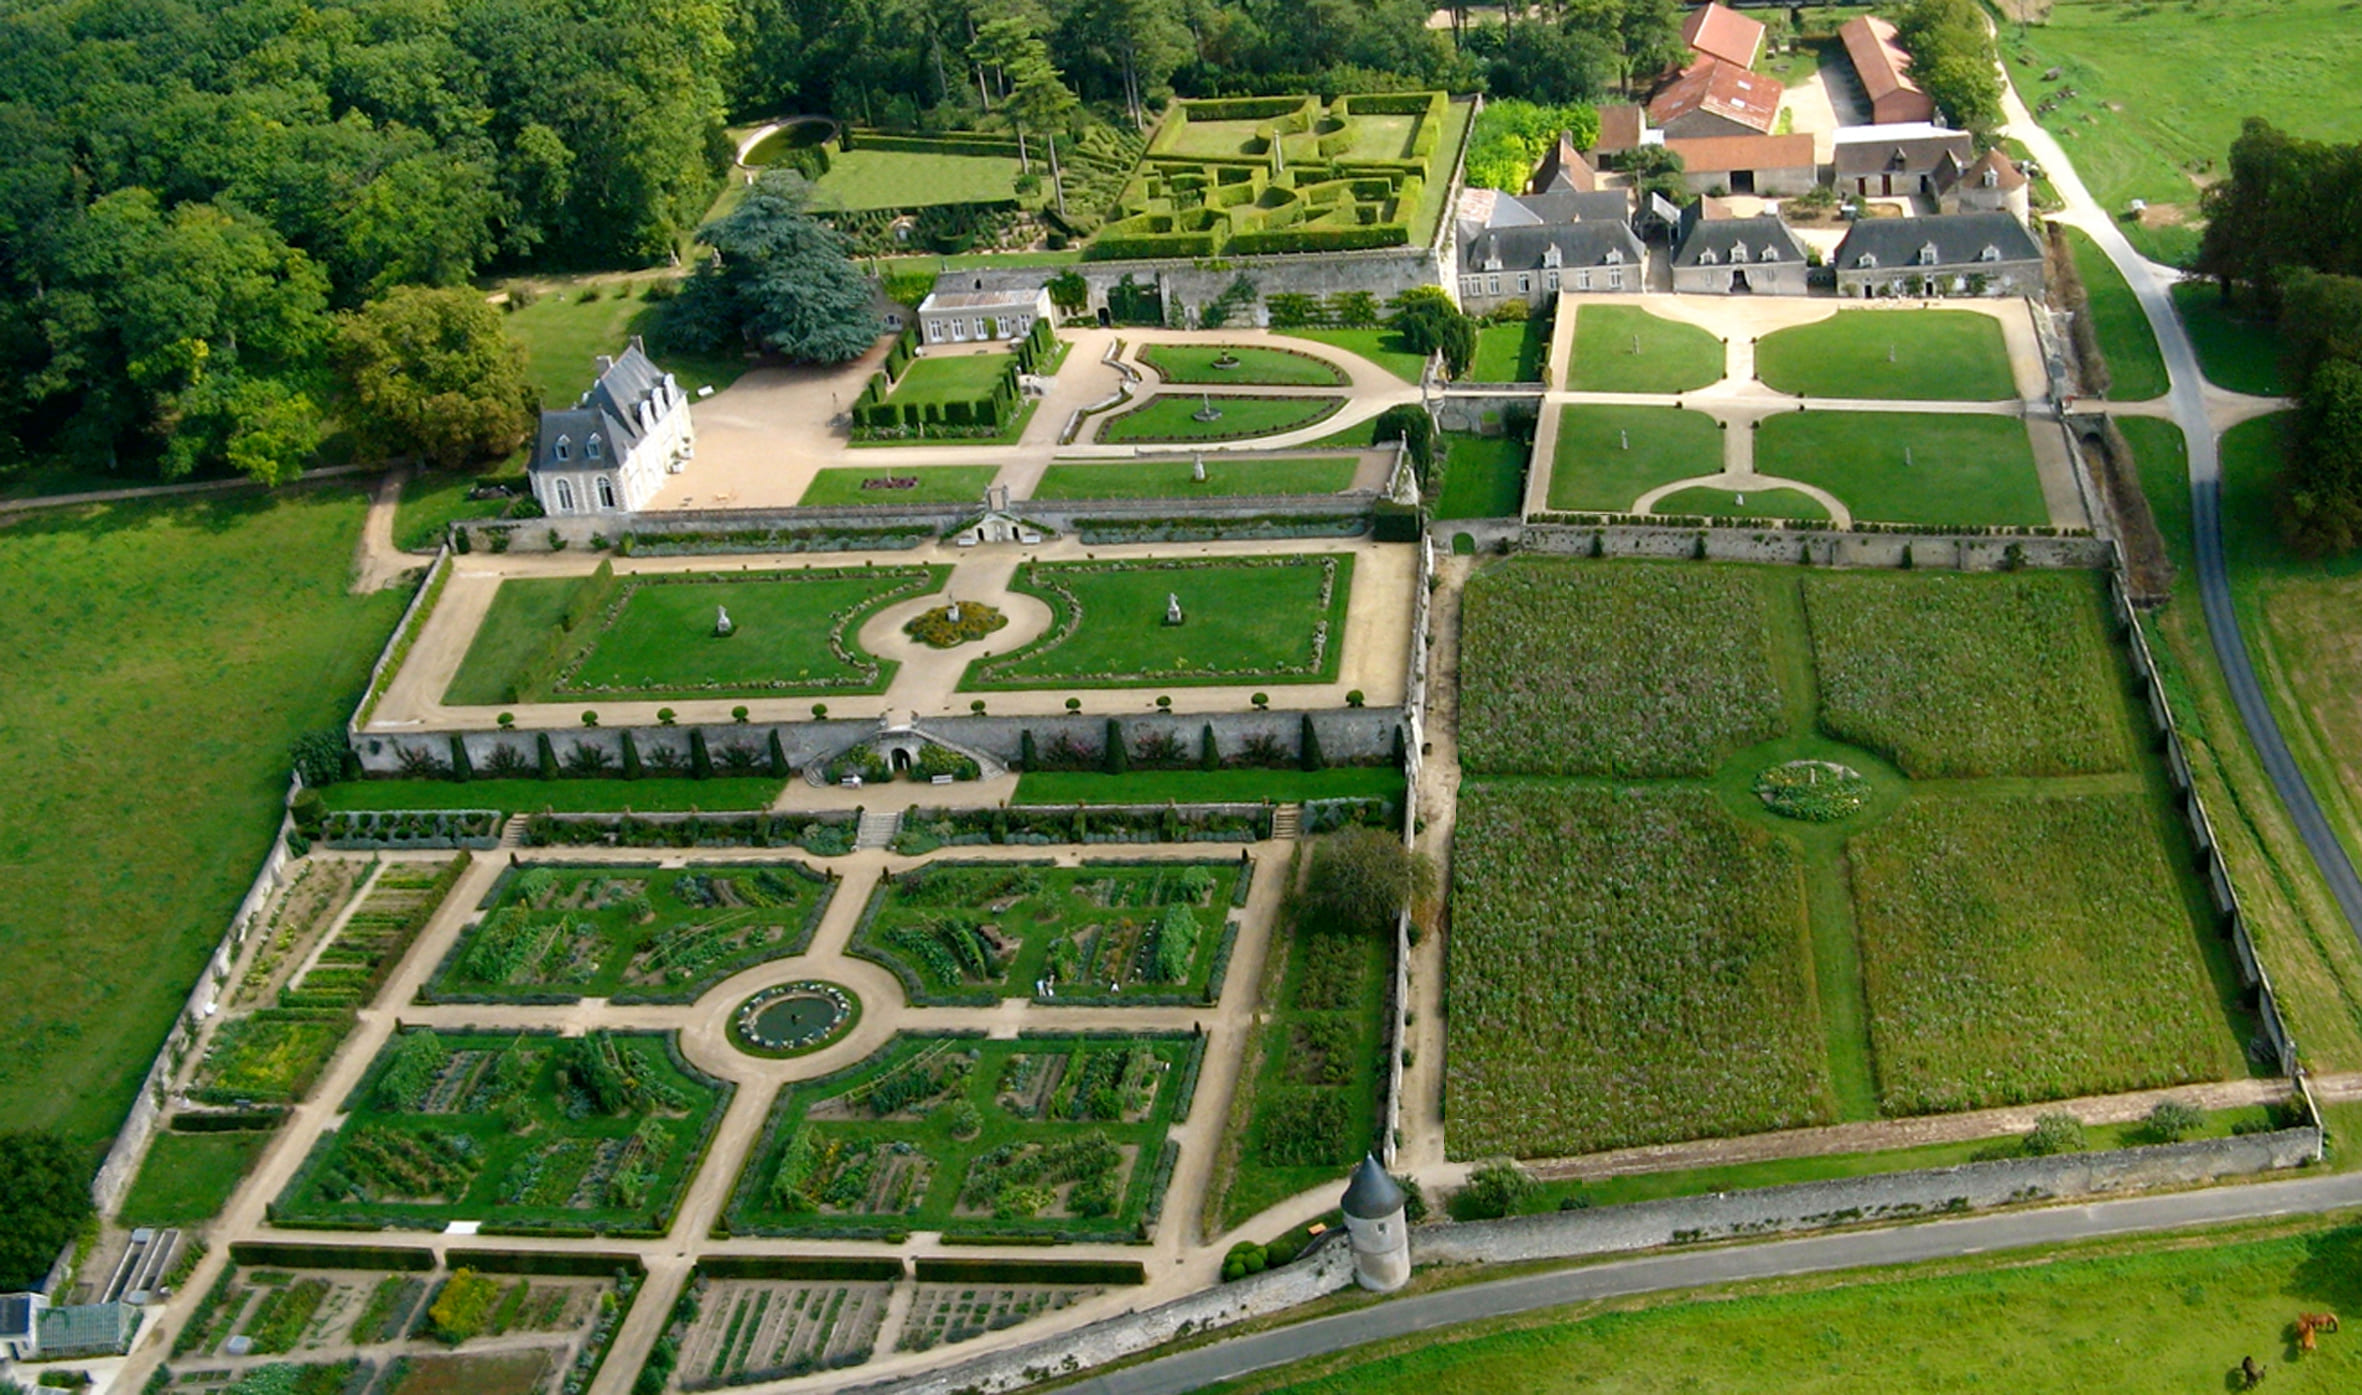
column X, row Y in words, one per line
column 661, row 640
column 1945, row 470
column 1607, row 457
column 1906, row 355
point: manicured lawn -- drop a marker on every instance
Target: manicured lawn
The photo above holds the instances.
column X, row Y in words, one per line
column 2050, row 1319
column 646, row 796
column 188, row 1177
column 1483, row 476
column 662, row 640
column 1207, row 786
column 950, row 376
column 935, row 484
column 1959, row 471
column 564, row 334
column 523, row 615
column 1607, row 457
column 1670, row 357
column 1705, row 502
column 1511, row 352
column 1245, row 620
column 1171, row 479
column 2136, row 369
column 1255, row 366
column 1382, row 347
column 1917, row 355
column 1173, row 418
column 2161, row 92
column 434, row 500
column 859, row 179
column 2237, row 351
column 137, row 811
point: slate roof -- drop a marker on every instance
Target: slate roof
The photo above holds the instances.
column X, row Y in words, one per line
column 1599, row 206
column 1718, row 31
column 1884, row 68
column 1013, row 288
column 1725, row 89
column 1911, row 154
column 16, row 1315
column 1959, row 239
column 1766, row 239
column 1578, row 244
column 1370, row 1194
column 609, row 411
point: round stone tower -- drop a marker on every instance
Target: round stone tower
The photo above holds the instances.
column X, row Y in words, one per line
column 1374, row 1223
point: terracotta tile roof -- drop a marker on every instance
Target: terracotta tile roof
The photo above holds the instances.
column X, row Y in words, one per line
column 1724, row 89
column 1619, row 127
column 1885, row 69
column 1744, row 152
column 1718, row 31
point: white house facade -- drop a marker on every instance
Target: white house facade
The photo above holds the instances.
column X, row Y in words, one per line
column 610, row 452
column 982, row 306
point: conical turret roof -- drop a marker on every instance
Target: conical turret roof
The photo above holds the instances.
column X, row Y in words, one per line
column 1371, row 1194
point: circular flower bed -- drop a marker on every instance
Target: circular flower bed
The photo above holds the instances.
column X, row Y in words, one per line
column 790, row 1019
column 1816, row 791
column 937, row 627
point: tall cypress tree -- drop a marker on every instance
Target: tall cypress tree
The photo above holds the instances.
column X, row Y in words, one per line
column 548, row 755
column 1209, row 751
column 1115, row 760
column 461, row 771
column 701, row 761
column 631, row 756
column 780, row 769
column 1308, row 745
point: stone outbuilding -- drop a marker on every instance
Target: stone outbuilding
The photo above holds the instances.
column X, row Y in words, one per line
column 1715, row 98
column 1774, row 166
column 1375, row 1224
column 968, row 307
column 1994, row 184
column 1885, row 71
column 1532, row 247
column 1883, row 162
column 610, row 451
column 1951, row 254
column 1737, row 256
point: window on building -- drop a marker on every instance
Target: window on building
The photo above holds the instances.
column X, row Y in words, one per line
column 1550, row 281
column 1492, row 285
column 606, row 488
column 1768, row 254
column 1927, row 255
column 1866, row 260
column 1615, row 278
column 1707, row 257
column 565, row 496
column 1525, row 283
column 1738, row 252
column 595, row 447
column 1990, row 254
column 564, row 448
column 1582, row 280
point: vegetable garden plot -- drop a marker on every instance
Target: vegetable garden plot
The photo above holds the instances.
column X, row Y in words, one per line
column 1626, row 967
column 748, row 1331
column 1619, row 669
column 2033, row 948
column 1040, row 1135
column 1099, row 933
column 598, row 1132
column 943, row 1313
column 1961, row 676
column 634, row 933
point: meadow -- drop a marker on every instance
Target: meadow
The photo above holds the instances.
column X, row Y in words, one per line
column 1277, row 619
column 1565, row 669
column 1940, row 470
column 2236, row 349
column 2136, row 370
column 1955, row 676
column 1623, row 348
column 2017, row 949
column 161, row 659
column 862, row 178
column 1918, row 355
column 1706, row 501
column 1626, row 967
column 1607, row 457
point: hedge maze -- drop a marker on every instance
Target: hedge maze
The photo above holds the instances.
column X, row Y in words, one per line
column 1248, row 175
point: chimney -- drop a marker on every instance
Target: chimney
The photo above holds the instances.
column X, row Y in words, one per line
column 605, row 362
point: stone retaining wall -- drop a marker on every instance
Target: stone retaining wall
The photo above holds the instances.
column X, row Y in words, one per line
column 1827, row 547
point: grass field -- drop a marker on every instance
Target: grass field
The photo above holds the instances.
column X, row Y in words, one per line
column 1910, row 467
column 950, row 377
column 2161, row 92
column 2157, row 1315
column 861, row 178
column 1955, row 677
column 1607, row 457
column 137, row 814
column 1171, row 479
column 1625, row 967
column 1669, row 357
column 1246, row 620
column 1383, row 347
column 525, row 611
column 1565, row 669
column 188, row 1177
column 2236, row 351
column 1253, row 365
column 564, row 334
column 1173, row 418
column 1511, row 352
column 1915, row 355
column 1705, row 502
column 2135, row 369
column 935, row 484
column 434, row 500
column 1483, row 476
column 1206, row 786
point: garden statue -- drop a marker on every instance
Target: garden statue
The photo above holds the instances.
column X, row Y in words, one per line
column 722, row 626
column 1208, row 411
column 953, row 616
column 1172, row 608
column 1197, row 469
column 1624, row 439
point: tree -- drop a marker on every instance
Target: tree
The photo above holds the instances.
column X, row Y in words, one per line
column 1069, row 291
column 1041, row 102
column 1409, row 424
column 779, row 278
column 432, row 373
column 2322, row 483
column 45, row 1194
column 1495, row 1189
column 1361, row 879
column 1458, row 346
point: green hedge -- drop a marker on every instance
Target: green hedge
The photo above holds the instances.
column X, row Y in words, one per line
column 862, row 138
column 944, row 1269
column 1303, row 238
column 280, row 1254
column 556, row 1264
column 851, row 1268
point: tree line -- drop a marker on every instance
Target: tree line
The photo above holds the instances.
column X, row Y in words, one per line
column 2284, row 235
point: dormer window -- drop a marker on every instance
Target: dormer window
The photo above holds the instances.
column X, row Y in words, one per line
column 594, row 448
column 563, row 449
column 1551, row 256
column 1707, row 257
column 1866, row 259
column 1738, row 252
column 1927, row 255
column 1990, row 254
column 1615, row 258
column 1992, row 179
column 1768, row 254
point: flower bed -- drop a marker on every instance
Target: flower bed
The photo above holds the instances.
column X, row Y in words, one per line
column 412, row 828
column 938, row 628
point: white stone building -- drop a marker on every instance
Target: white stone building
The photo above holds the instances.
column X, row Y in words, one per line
column 610, row 452
column 967, row 307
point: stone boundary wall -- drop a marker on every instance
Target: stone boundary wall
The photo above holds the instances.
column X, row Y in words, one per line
column 1826, row 547
column 2233, row 922
column 1466, row 411
column 1415, row 726
column 1347, row 734
column 1887, row 1198
column 397, row 644
column 1324, row 1270
column 1188, row 284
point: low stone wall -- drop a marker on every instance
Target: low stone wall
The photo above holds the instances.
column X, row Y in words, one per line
column 1826, row 547
column 1484, row 413
column 1189, row 285
column 1324, row 1271
column 1857, row 1200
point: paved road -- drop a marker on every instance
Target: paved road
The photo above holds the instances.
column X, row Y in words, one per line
column 1820, row 1254
column 2188, row 399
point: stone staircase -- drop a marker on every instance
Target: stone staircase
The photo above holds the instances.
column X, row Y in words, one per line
column 1287, row 822
column 512, row 833
column 878, row 828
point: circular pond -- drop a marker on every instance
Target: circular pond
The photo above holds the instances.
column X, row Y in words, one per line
column 789, row 1019
column 1816, row 791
